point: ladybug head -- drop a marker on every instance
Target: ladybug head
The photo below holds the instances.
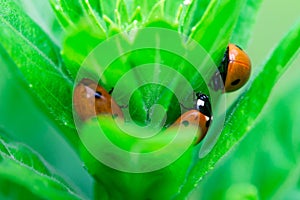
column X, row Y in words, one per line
column 203, row 104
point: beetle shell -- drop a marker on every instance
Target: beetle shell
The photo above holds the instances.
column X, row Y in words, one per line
column 90, row 100
column 194, row 117
column 239, row 68
column 234, row 70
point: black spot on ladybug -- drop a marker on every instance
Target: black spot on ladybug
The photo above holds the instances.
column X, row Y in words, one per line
column 235, row 82
column 98, row 95
column 185, row 123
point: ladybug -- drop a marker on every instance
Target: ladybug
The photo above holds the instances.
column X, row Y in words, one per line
column 234, row 70
column 90, row 100
column 200, row 115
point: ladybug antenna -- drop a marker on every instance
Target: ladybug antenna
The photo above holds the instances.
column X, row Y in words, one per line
column 186, row 108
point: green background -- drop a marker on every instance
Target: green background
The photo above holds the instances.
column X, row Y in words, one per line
column 264, row 163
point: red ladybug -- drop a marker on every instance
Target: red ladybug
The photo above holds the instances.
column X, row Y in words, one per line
column 90, row 100
column 234, row 70
column 200, row 116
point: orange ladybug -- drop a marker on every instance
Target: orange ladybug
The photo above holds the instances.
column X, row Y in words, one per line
column 200, row 116
column 90, row 100
column 234, row 70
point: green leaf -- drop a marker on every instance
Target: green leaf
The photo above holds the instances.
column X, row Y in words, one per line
column 75, row 50
column 193, row 14
column 214, row 29
column 137, row 15
column 129, row 185
column 151, row 94
column 40, row 64
column 145, row 5
column 247, row 107
column 108, row 8
column 42, row 13
column 68, row 12
column 171, row 9
column 122, row 13
column 85, row 12
column 94, row 6
column 243, row 29
column 93, row 13
column 22, row 169
column 157, row 12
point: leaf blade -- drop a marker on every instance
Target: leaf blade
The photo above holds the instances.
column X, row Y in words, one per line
column 40, row 64
column 21, row 167
column 193, row 14
column 215, row 27
column 242, row 31
column 245, row 109
column 68, row 12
